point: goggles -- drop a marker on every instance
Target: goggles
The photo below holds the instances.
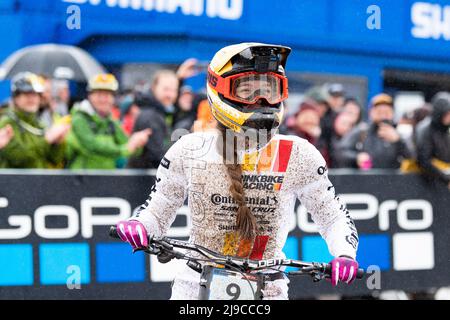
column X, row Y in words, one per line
column 249, row 87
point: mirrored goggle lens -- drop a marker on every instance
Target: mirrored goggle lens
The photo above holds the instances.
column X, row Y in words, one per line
column 249, row 88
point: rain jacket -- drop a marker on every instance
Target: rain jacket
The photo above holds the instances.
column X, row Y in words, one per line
column 153, row 116
column 364, row 138
column 433, row 143
column 94, row 142
column 28, row 148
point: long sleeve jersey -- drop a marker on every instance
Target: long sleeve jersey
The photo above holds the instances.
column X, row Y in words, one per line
column 288, row 168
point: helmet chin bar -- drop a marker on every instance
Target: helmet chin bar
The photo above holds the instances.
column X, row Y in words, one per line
column 258, row 130
column 261, row 127
column 251, row 139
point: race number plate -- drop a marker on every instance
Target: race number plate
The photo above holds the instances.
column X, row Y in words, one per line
column 222, row 284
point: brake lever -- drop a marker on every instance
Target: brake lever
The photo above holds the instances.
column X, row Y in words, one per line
column 164, row 257
column 318, row 276
column 148, row 250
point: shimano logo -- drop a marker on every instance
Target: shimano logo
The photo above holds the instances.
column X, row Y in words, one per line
column 430, row 21
column 223, row 9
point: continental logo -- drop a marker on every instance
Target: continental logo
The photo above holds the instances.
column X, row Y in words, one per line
column 218, row 199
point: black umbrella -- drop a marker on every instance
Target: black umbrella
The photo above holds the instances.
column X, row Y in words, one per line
column 52, row 60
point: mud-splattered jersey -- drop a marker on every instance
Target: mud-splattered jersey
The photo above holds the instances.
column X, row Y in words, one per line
column 286, row 169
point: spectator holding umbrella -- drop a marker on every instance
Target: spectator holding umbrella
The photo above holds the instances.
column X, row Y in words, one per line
column 96, row 141
column 55, row 60
column 30, row 145
column 433, row 140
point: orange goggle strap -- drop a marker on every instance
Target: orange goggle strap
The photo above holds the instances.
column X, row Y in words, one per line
column 223, row 85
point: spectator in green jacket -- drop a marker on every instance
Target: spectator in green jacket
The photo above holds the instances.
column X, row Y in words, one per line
column 29, row 145
column 96, row 141
column 6, row 134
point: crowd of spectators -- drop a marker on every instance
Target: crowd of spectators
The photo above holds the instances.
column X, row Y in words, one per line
column 40, row 128
column 334, row 123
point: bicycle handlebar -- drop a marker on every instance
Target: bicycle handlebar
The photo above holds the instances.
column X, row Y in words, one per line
column 163, row 247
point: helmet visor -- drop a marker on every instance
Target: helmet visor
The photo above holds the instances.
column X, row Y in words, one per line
column 250, row 87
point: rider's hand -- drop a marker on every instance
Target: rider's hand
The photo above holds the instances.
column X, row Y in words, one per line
column 133, row 232
column 343, row 269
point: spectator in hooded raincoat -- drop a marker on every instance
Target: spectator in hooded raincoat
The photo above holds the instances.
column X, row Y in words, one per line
column 30, row 145
column 96, row 140
column 433, row 140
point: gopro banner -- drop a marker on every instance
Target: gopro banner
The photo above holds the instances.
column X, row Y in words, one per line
column 54, row 239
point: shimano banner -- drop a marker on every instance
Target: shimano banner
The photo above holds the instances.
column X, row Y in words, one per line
column 54, row 236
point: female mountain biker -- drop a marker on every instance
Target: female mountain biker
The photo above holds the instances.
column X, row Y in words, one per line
column 242, row 180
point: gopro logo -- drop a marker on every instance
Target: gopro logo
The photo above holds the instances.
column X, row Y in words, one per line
column 412, row 248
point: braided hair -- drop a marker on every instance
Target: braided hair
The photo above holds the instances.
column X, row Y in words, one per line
column 245, row 220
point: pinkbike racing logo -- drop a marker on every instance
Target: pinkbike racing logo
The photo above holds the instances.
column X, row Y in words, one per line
column 262, row 182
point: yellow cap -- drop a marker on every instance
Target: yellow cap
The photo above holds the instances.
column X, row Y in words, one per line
column 104, row 81
column 381, row 98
